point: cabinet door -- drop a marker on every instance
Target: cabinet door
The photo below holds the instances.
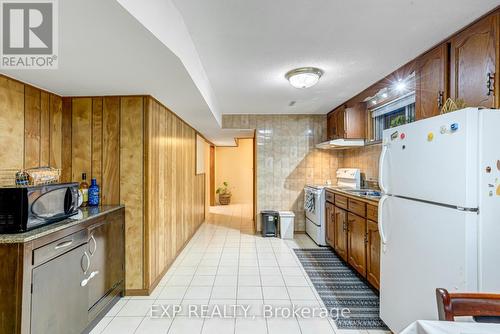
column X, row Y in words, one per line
column 58, row 301
column 106, row 257
column 373, row 254
column 330, row 224
column 355, row 121
column 340, row 120
column 431, row 92
column 473, row 58
column 357, row 243
column 331, row 126
column 340, row 244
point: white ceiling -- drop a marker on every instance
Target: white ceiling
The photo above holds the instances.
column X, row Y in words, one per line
column 246, row 47
column 205, row 58
column 103, row 50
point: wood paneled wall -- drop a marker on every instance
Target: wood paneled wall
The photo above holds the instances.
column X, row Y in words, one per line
column 31, row 129
column 107, row 144
column 95, row 142
column 132, row 189
column 141, row 153
column 175, row 196
column 143, row 156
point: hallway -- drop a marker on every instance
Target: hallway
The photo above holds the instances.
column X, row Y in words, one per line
column 226, row 264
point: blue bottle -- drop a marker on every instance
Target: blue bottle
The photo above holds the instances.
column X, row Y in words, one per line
column 93, row 193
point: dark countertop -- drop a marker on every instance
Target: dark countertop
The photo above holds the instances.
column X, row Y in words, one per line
column 368, row 199
column 82, row 216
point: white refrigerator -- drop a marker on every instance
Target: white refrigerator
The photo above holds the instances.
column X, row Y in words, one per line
column 439, row 216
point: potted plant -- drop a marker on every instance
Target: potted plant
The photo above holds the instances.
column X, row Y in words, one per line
column 224, row 194
column 397, row 121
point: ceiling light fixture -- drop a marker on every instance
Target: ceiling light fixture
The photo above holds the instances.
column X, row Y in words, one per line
column 304, row 77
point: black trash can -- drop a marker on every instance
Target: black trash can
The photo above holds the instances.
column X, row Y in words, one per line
column 269, row 223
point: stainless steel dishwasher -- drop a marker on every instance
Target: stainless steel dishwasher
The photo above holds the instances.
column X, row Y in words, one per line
column 60, row 293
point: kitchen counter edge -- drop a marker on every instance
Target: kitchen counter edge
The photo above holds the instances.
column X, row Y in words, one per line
column 86, row 214
column 372, row 201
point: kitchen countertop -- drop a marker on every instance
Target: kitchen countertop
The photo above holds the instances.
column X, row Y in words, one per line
column 82, row 216
column 368, row 199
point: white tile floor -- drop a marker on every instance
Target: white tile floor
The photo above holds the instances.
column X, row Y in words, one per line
column 224, row 264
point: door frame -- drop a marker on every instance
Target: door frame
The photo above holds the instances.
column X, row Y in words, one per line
column 212, row 175
column 254, row 181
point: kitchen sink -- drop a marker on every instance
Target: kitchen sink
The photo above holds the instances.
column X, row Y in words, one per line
column 364, row 192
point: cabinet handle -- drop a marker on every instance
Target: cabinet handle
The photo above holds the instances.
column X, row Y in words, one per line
column 87, row 280
column 490, row 84
column 366, row 238
column 87, row 257
column 64, row 244
column 440, row 99
column 92, row 252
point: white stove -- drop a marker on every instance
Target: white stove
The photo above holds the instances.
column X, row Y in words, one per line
column 314, row 208
column 349, row 178
column 314, row 202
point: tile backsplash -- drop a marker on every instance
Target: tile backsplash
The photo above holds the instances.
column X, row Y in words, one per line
column 287, row 159
column 365, row 158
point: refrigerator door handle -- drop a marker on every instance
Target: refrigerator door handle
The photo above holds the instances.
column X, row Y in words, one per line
column 381, row 182
column 383, row 237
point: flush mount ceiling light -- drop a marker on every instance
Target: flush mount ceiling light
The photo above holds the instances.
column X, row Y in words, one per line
column 304, row 77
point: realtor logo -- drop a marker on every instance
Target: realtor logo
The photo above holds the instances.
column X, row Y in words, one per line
column 29, row 34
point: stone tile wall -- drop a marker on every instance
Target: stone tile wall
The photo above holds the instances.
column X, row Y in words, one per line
column 366, row 158
column 287, row 159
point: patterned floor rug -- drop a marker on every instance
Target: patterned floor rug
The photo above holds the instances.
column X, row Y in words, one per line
column 340, row 287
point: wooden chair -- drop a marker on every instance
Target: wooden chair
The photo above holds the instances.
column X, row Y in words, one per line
column 484, row 307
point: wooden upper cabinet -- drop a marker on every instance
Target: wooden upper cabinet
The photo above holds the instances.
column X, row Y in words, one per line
column 431, row 82
column 347, row 122
column 355, row 121
column 331, row 126
column 340, row 122
column 335, row 123
column 474, row 60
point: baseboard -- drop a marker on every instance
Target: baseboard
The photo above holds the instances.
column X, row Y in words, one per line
column 158, row 279
column 147, row 291
column 136, row 292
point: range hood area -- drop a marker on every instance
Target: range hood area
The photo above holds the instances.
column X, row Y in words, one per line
column 340, row 144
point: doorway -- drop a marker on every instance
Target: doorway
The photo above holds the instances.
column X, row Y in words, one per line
column 234, row 166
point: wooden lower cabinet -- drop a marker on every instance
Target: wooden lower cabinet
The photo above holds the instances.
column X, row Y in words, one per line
column 357, row 243
column 105, row 249
column 340, row 244
column 330, row 224
column 65, row 281
column 373, row 254
column 355, row 237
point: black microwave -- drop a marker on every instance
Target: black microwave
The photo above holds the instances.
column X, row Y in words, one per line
column 25, row 208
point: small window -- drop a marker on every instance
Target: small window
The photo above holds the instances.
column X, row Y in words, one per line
column 392, row 106
column 393, row 118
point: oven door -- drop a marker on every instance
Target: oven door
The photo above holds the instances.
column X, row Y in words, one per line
column 311, row 200
column 51, row 203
